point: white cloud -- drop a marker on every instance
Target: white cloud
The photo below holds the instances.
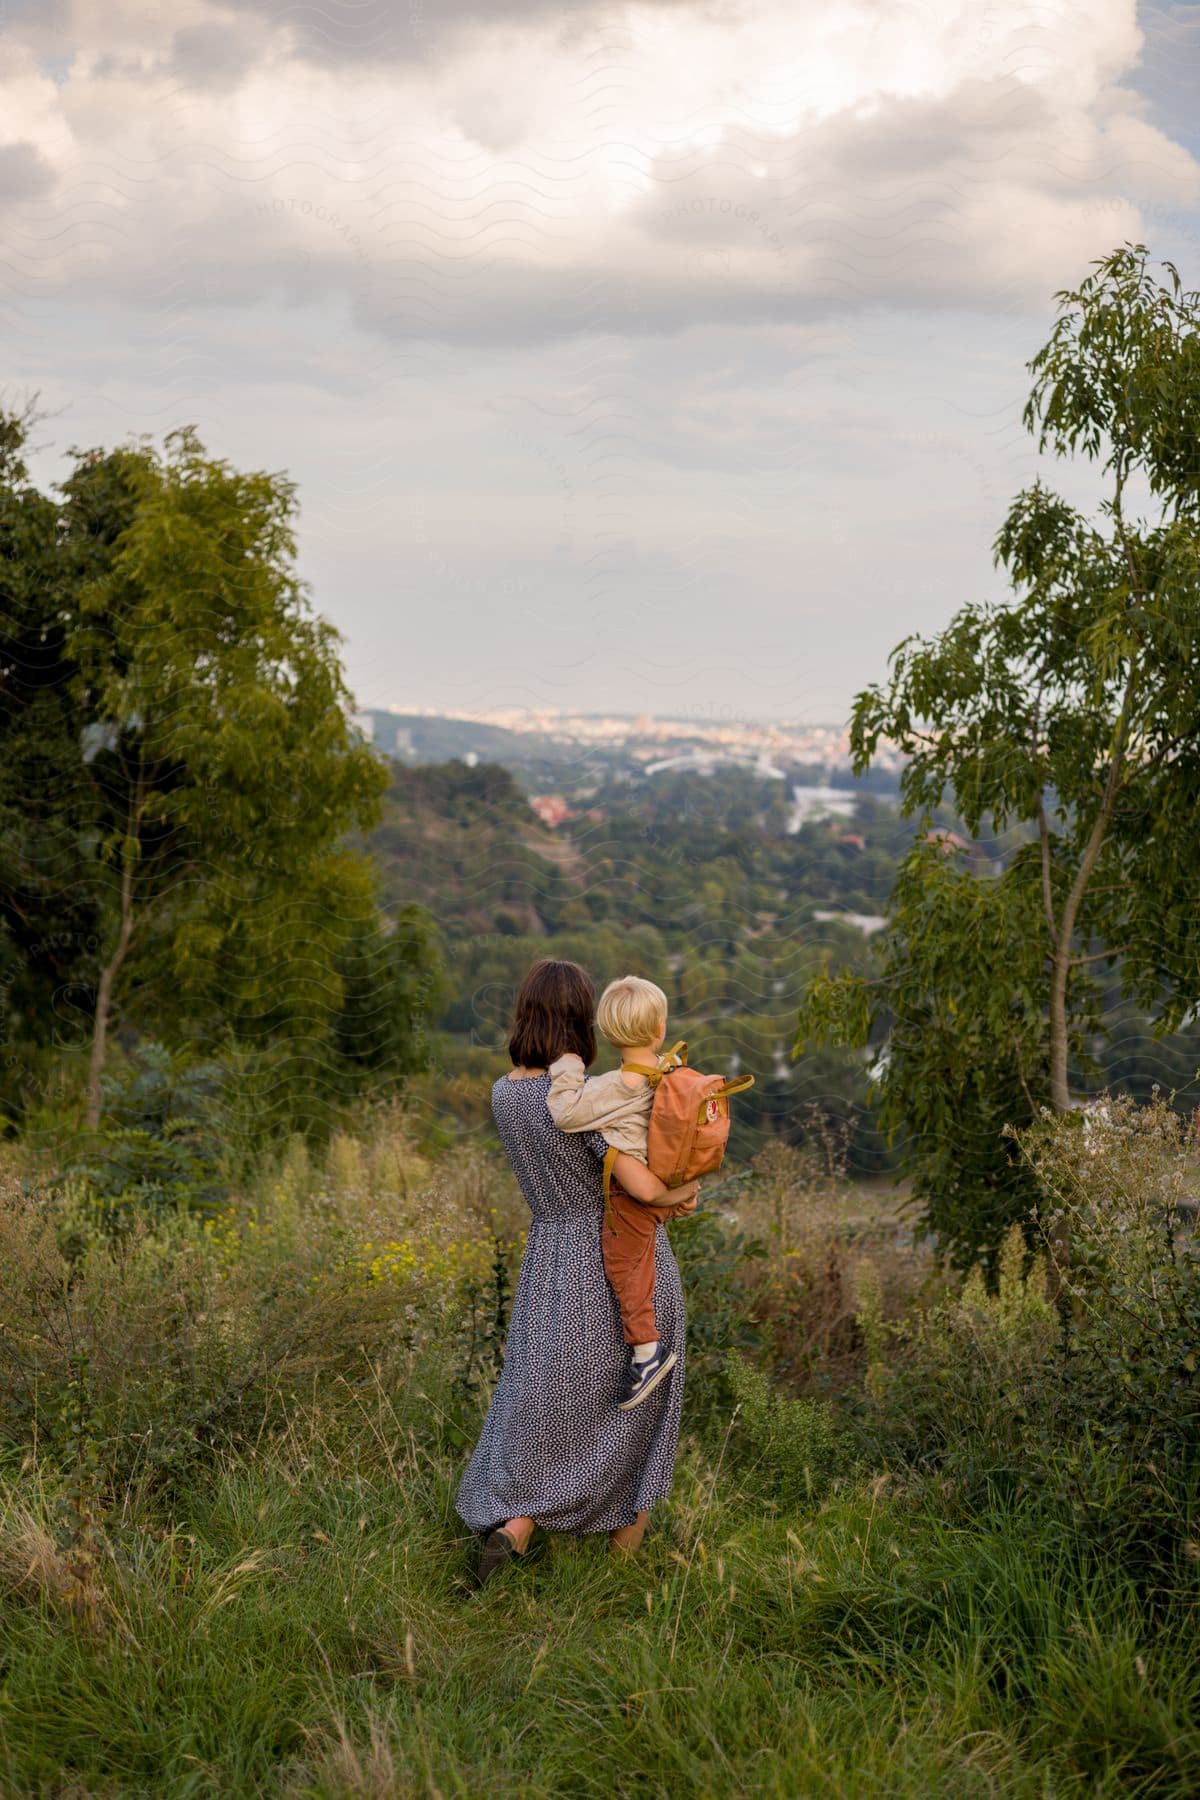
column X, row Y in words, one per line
column 651, row 167
column 602, row 313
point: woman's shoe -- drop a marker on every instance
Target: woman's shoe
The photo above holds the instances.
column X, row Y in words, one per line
column 498, row 1549
column 643, row 1377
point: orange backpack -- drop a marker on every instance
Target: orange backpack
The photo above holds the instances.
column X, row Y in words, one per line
column 689, row 1121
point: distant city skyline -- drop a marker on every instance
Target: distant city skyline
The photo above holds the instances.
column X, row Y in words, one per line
column 641, row 735
column 650, row 356
column 504, row 715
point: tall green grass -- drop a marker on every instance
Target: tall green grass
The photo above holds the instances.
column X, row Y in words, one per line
column 300, row 1619
column 230, row 1564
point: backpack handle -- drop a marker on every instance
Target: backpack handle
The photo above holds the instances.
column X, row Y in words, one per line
column 734, row 1084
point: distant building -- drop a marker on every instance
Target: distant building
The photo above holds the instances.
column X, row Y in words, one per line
column 864, row 922
column 551, row 809
column 812, row 803
column 703, row 762
column 381, row 728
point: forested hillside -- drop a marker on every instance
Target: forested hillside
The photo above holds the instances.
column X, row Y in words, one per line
column 695, row 881
column 690, row 880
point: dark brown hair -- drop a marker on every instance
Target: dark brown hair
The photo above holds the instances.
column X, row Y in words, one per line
column 554, row 1012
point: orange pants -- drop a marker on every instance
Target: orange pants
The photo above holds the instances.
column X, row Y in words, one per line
column 629, row 1263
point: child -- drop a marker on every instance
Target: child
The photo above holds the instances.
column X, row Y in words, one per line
column 632, row 1015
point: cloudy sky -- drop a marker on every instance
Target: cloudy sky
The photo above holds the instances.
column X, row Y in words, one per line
column 663, row 356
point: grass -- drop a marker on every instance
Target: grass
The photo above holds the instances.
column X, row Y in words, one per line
column 301, row 1621
column 283, row 1605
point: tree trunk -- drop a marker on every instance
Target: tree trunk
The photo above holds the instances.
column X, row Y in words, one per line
column 99, row 1044
column 108, row 976
column 1060, row 1097
column 1060, row 963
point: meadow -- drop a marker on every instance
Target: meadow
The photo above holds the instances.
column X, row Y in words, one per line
column 895, row 1561
column 934, row 1527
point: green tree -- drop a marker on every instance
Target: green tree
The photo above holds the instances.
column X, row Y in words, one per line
column 48, row 915
column 392, row 985
column 219, row 765
column 1069, row 719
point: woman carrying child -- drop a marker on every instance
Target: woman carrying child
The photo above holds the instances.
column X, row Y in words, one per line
column 556, row 1450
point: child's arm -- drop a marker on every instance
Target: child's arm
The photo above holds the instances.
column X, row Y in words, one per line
column 640, row 1184
column 571, row 1106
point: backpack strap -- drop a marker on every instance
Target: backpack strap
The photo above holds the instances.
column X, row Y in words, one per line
column 610, row 1156
column 674, row 1058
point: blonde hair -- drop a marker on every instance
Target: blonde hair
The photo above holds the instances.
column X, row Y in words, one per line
column 631, row 1011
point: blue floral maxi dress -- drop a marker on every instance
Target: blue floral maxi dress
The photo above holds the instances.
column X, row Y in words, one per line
column 554, row 1447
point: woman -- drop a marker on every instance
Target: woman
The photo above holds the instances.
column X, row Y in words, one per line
column 555, row 1451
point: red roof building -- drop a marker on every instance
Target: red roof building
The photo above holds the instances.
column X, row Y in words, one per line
column 551, row 809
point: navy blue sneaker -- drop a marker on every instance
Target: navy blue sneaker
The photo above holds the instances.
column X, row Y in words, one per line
column 643, row 1377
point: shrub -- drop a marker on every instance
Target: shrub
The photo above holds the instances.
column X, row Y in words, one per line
column 139, row 1350
column 1120, row 1182
column 815, row 1227
column 157, row 1146
column 1091, row 1395
column 968, row 1380
column 794, row 1448
column 152, row 1345
column 712, row 1260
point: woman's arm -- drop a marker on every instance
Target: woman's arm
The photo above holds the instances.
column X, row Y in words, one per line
column 640, row 1184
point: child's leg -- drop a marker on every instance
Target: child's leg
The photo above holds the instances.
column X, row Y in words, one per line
column 629, row 1263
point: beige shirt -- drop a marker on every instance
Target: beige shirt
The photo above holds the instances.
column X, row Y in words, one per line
column 603, row 1103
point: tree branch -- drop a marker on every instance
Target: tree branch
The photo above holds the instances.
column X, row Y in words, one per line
column 1033, row 1106
column 112, row 968
column 1164, row 750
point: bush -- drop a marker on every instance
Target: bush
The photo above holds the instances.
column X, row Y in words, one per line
column 968, row 1381
column 815, row 1227
column 712, row 1259
column 157, row 1146
column 1120, row 1182
column 145, row 1348
column 136, row 1351
column 793, row 1448
column 1092, row 1394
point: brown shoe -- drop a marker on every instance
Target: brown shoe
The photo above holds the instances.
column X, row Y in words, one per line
column 498, row 1549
